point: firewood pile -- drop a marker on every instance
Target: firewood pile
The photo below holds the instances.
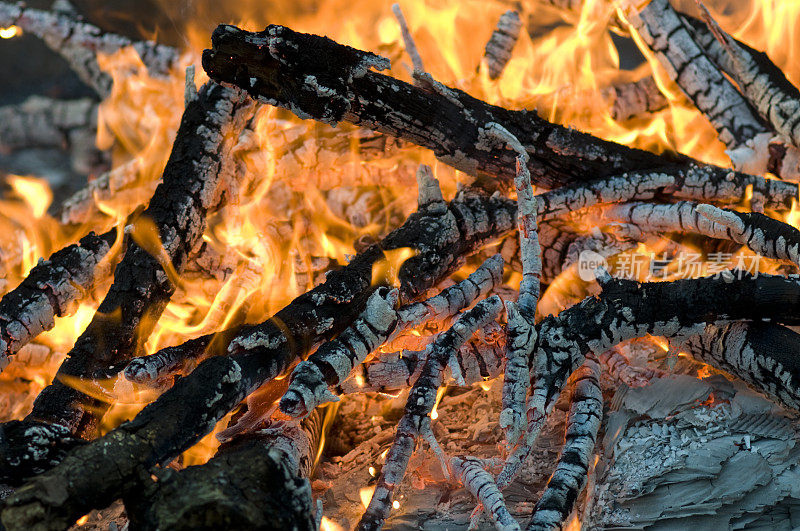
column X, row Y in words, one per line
column 352, row 298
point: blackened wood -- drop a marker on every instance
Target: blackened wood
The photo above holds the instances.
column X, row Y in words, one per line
column 52, row 289
column 315, row 77
column 259, row 481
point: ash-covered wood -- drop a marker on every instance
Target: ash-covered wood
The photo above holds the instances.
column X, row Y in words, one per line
column 421, row 399
column 763, row 355
column 738, row 124
column 635, row 99
column 259, row 481
column 41, row 122
column 763, row 84
column 334, row 361
column 504, row 37
column 624, row 310
column 471, row 472
column 79, row 43
column 52, row 289
column 619, row 367
column 282, row 67
column 577, row 456
column 479, row 359
column 171, row 226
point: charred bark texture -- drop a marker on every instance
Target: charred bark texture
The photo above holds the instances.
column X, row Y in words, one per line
column 315, row 77
column 52, row 289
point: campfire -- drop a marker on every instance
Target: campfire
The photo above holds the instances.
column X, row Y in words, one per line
column 431, row 264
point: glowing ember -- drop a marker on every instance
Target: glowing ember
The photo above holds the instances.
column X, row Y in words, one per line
column 10, row 32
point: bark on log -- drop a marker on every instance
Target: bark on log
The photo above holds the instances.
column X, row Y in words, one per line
column 740, row 128
column 287, row 69
column 79, row 42
column 190, row 189
column 259, row 481
column 52, row 289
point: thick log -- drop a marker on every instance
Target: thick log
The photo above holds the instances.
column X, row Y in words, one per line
column 142, row 286
column 79, row 43
column 284, row 68
column 259, row 481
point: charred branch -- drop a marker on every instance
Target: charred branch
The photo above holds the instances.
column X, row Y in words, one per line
column 53, row 289
column 501, row 43
column 635, row 99
column 284, row 68
column 79, row 43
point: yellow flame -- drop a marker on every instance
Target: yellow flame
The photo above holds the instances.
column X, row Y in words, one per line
column 82, row 520
column 329, row 525
column 439, row 395
column 35, row 192
column 10, row 32
column 365, row 493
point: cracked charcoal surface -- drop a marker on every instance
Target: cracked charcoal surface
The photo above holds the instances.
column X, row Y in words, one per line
column 453, row 127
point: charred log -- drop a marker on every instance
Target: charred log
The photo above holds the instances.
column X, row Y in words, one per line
column 284, row 68
column 259, row 481
column 79, row 42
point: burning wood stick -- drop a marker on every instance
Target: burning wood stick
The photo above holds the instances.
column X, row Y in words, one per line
column 738, row 125
column 342, row 88
column 79, row 43
column 52, row 289
column 764, row 355
column 258, row 481
column 471, row 472
column 763, row 84
column 481, row 358
column 635, row 99
column 501, row 43
column 569, row 477
column 334, row 361
column 421, row 399
column 621, row 312
column 144, row 279
column 259, row 353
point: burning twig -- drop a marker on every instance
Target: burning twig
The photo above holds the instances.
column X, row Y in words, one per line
column 52, row 289
column 79, row 43
column 335, row 361
column 481, row 358
column 144, row 279
column 764, row 355
column 739, row 127
column 501, row 43
column 472, row 474
column 569, row 477
column 635, row 99
column 421, row 399
column 258, row 481
column 408, row 40
column 353, row 93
